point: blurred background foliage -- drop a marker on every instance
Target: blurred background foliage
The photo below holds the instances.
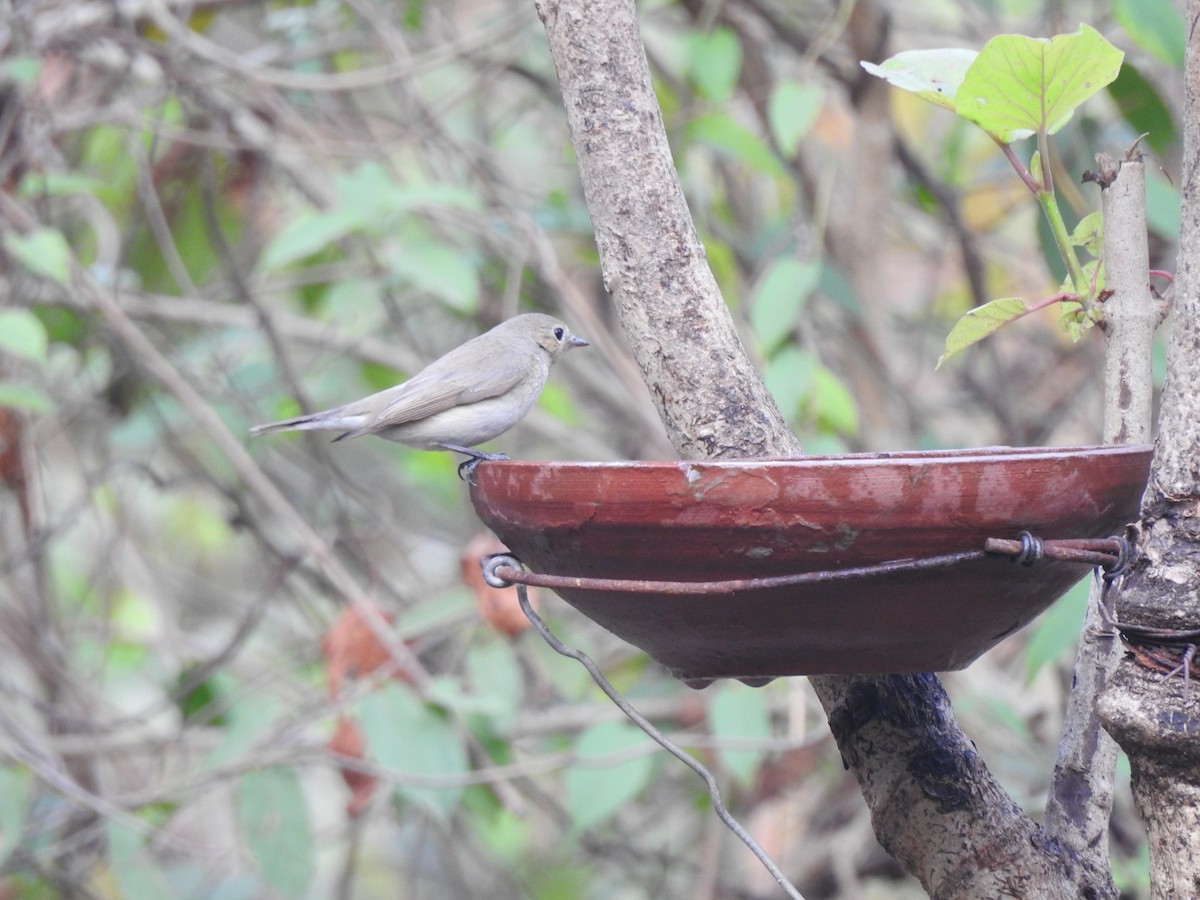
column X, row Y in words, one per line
column 277, row 206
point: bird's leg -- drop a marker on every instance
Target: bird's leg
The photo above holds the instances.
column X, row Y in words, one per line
column 467, row 467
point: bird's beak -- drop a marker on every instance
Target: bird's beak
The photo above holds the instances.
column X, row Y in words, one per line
column 578, row 342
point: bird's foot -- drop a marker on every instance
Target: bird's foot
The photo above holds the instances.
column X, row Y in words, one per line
column 466, row 469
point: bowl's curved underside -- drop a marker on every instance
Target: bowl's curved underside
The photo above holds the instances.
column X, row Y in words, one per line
column 709, row 521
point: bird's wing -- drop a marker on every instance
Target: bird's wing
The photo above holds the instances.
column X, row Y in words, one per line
column 454, row 380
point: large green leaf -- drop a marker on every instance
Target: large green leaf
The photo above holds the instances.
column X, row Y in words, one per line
column 933, row 75
column 596, row 789
column 715, row 59
column 275, row 826
column 496, row 678
column 720, row 132
column 368, row 198
column 778, row 298
column 415, row 739
column 306, row 234
column 1143, row 108
column 443, row 271
column 1020, row 85
column 1156, row 26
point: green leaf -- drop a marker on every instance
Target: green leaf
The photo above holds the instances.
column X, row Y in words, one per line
column 1154, row 25
column 834, row 285
column 720, row 132
column 23, row 334
column 1143, row 108
column 137, row 874
column 406, row 735
column 788, row 376
column 1163, row 214
column 1020, row 85
column 445, row 272
column 738, row 712
column 16, row 790
column 1058, row 630
column 791, row 112
column 597, row 790
column 1074, row 320
column 367, row 192
column 1089, row 233
column 979, row 322
column 372, row 194
column 43, row 252
column 832, row 404
column 933, row 75
column 368, row 198
column 714, row 61
column 778, row 298
column 275, row 826
column 307, row 234
column 495, row 677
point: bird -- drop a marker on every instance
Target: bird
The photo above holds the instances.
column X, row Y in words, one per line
column 474, row 393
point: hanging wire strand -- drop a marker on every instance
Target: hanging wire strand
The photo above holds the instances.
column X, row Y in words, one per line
column 496, row 570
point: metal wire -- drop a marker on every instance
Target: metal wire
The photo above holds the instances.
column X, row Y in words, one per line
column 1103, row 552
column 493, row 566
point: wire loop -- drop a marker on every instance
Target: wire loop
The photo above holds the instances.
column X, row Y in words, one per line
column 1032, row 550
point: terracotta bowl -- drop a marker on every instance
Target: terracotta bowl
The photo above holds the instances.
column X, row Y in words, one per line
column 709, row 521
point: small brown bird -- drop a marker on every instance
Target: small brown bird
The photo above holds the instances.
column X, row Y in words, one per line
column 474, row 393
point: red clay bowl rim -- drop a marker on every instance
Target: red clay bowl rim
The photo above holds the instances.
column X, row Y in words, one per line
column 866, row 457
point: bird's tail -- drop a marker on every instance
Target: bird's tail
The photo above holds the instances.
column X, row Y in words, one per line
column 321, row 421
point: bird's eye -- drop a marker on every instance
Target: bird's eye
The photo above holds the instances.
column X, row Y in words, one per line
column 558, row 334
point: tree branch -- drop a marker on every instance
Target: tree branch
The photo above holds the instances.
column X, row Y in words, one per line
column 705, row 389
column 1081, row 797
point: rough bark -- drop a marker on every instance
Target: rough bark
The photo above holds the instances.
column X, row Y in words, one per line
column 1156, row 720
column 1081, row 796
column 683, row 337
column 934, row 804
